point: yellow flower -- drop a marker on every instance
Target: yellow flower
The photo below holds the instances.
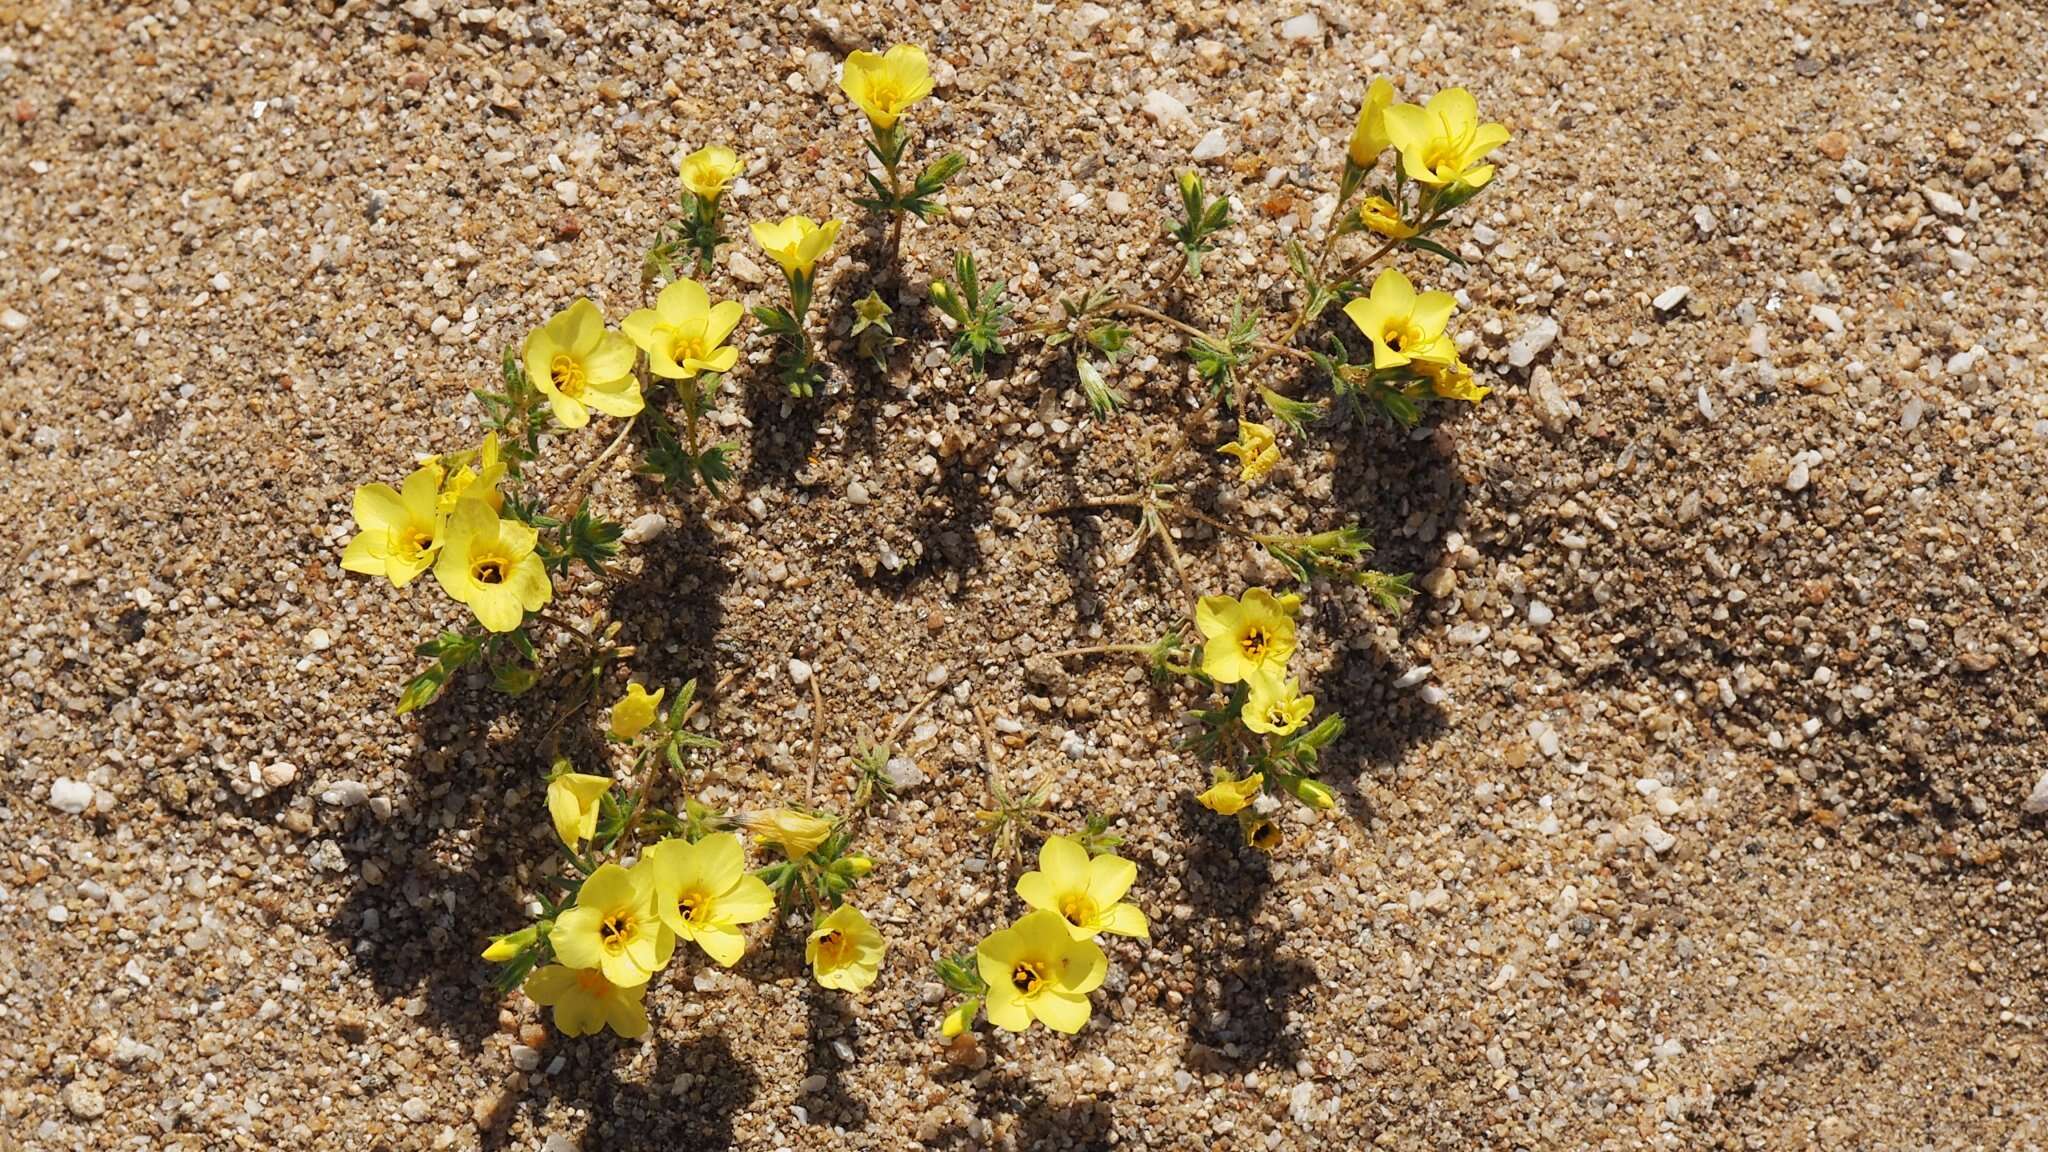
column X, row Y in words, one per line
column 398, row 531
column 884, row 87
column 1085, row 893
column 489, row 564
column 511, row 944
column 1036, row 970
column 1405, row 327
column 635, row 711
column 798, row 834
column 614, row 927
column 580, row 366
column 961, row 1018
column 684, row 333
column 844, row 950
column 1276, row 706
column 1314, row 793
column 573, row 805
column 704, row 893
column 1242, row 638
column 708, row 171
column 479, row 482
column 585, row 1002
column 1443, row 142
column 1455, row 381
column 1229, row 797
column 1256, row 450
column 1260, row 832
column 1369, row 136
column 1378, row 214
column 796, row 242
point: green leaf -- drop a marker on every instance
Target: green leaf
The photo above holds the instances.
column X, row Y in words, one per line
column 1432, row 246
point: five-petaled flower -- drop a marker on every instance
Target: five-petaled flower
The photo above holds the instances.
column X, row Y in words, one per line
column 585, row 1001
column 709, row 171
column 1229, row 797
column 1443, row 143
column 574, row 802
column 1406, row 327
column 614, row 927
column 844, row 950
column 1086, row 893
column 795, row 242
column 1036, row 970
column 1242, row 638
column 398, row 530
column 635, row 710
column 684, row 333
column 703, row 893
column 884, row 86
column 579, row 365
column 1276, row 706
column 490, row 565
column 1256, row 450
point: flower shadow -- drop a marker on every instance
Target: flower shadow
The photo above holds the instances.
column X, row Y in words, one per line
column 688, row 1099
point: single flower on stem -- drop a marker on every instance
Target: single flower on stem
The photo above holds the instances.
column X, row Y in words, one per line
column 1443, row 144
column 398, row 530
column 684, row 333
column 635, row 710
column 1242, row 638
column 1406, row 327
column 579, row 365
column 844, row 950
column 1275, row 706
column 1036, row 970
column 885, row 85
column 586, row 1002
column 1086, row 892
column 490, row 565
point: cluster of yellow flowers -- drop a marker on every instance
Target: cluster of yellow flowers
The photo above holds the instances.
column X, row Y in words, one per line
column 1043, row 966
column 591, row 961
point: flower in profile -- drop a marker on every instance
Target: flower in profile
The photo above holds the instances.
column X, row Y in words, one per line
column 1229, row 797
column 1313, row 793
column 1256, row 450
column 1455, row 381
column 798, row 834
column 398, row 530
column 1369, row 135
column 635, row 710
column 574, row 801
column 703, row 893
column 490, row 565
column 1443, row 143
column 709, row 171
column 795, row 242
column 885, row 86
column 1036, row 970
column 578, row 365
column 475, row 475
column 1276, row 706
column 1406, row 327
column 844, row 950
column 1259, row 831
column 511, row 944
column 614, row 927
column 585, row 1001
column 684, row 333
column 1085, row 892
column 1242, row 638
column 1378, row 214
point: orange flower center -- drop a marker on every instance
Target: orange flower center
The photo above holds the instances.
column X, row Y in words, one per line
column 616, row 931
column 1254, row 643
column 1028, row 977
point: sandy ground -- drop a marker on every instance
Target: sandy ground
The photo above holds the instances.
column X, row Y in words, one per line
column 1706, row 830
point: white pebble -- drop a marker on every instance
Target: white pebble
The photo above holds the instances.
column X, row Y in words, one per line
column 645, row 528
column 1164, row 109
column 73, row 796
column 1212, row 145
column 345, row 793
column 1540, row 613
column 1671, row 297
column 1303, row 27
column 2038, row 801
column 318, row 640
column 1413, row 676
column 1657, row 838
column 799, row 673
column 13, row 321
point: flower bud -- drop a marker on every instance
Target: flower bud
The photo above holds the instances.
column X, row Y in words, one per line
column 1314, row 793
column 511, row 944
column 960, row 1019
column 853, row 865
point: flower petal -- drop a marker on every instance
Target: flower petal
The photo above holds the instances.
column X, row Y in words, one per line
column 1109, row 877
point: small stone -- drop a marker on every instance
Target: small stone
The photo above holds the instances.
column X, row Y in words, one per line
column 1297, row 29
column 1657, row 838
column 743, row 267
column 799, row 673
column 416, row 1109
column 1544, row 13
column 1827, row 318
column 857, row 492
column 1118, row 203
column 13, row 321
column 1540, row 613
column 1943, row 203
column 345, row 793
column 1414, row 676
column 1833, row 145
column 73, row 796
column 1703, row 219
column 2037, row 802
column 1212, row 145
column 83, row 1102
column 1534, row 339
column 1554, row 409
column 318, row 640
column 524, row 1058
column 1165, row 109
column 1671, row 297
column 645, row 528
column 902, row 772
column 279, row 775
column 1800, row 475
